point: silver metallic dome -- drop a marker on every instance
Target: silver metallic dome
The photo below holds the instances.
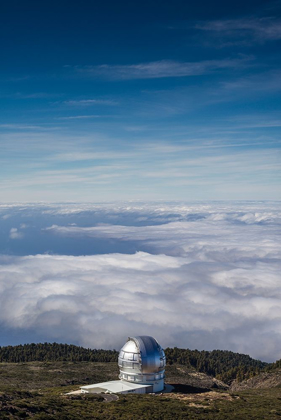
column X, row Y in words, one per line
column 143, row 360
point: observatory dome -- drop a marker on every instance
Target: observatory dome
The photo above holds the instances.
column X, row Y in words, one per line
column 142, row 360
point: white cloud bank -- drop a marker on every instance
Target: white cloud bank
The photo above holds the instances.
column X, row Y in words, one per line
column 210, row 278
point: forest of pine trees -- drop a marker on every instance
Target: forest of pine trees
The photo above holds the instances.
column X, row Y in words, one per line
column 47, row 352
column 272, row 366
column 224, row 365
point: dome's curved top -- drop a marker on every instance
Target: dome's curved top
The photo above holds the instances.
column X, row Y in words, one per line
column 142, row 353
column 130, row 347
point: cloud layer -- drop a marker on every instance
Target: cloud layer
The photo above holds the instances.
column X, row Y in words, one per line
column 203, row 276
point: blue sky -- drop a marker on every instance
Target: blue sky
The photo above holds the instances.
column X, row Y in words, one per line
column 142, row 100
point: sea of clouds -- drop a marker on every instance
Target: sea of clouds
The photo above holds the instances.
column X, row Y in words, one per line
column 197, row 275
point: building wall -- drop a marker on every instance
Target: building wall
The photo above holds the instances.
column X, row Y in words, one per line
column 158, row 385
column 135, row 391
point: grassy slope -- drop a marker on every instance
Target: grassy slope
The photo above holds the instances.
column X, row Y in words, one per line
column 37, row 390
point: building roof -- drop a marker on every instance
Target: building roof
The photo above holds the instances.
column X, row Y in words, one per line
column 114, row 386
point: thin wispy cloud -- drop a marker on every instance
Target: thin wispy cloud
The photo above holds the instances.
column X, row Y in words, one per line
column 205, row 163
column 27, row 127
column 35, row 95
column 89, row 102
column 261, row 82
column 79, row 117
column 164, row 68
column 244, row 29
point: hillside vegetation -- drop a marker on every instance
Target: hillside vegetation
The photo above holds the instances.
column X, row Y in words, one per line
column 224, row 365
column 38, row 391
column 273, row 366
column 270, row 379
column 50, row 352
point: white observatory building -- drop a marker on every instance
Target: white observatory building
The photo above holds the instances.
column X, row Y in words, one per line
column 142, row 364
